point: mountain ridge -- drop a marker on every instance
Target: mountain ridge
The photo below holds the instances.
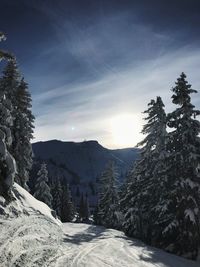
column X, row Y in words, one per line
column 80, row 163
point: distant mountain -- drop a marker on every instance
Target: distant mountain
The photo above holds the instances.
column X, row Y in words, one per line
column 80, row 164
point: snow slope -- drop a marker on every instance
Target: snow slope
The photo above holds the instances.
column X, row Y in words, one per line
column 31, row 237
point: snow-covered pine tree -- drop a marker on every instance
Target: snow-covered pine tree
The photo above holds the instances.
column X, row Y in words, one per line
column 124, row 190
column 142, row 193
column 57, row 193
column 23, row 133
column 67, row 213
column 108, row 202
column 16, row 91
column 42, row 190
column 9, row 84
column 159, row 177
column 181, row 234
column 7, row 162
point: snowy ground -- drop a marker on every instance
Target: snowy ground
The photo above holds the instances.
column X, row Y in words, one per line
column 30, row 236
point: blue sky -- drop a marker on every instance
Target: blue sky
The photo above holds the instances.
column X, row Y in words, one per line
column 90, row 62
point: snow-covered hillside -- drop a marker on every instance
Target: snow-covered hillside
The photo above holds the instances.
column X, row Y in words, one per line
column 31, row 237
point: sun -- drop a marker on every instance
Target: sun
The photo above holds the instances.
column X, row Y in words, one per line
column 125, row 129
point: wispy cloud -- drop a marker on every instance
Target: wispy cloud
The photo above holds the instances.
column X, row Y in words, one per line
column 89, row 107
column 94, row 68
column 89, row 61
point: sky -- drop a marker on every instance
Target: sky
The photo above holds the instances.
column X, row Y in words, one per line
column 93, row 66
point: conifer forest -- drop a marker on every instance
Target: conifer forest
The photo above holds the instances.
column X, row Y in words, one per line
column 122, row 188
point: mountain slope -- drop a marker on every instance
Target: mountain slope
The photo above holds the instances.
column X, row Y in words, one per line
column 31, row 237
column 80, row 164
column 86, row 159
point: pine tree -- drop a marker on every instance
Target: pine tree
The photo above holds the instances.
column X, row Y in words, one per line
column 7, row 162
column 108, row 198
column 42, row 190
column 57, row 193
column 132, row 224
column 142, row 194
column 23, row 133
column 67, row 213
column 22, row 128
column 124, row 190
column 181, row 233
column 9, row 84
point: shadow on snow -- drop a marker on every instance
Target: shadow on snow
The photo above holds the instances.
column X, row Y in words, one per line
column 92, row 232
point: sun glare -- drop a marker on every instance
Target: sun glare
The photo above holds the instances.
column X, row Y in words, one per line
column 125, row 129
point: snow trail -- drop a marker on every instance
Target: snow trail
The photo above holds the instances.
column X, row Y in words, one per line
column 95, row 246
column 31, row 237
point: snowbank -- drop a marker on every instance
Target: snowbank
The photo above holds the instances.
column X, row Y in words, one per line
column 29, row 234
column 26, row 202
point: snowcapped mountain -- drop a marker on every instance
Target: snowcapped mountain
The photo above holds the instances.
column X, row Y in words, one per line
column 80, row 163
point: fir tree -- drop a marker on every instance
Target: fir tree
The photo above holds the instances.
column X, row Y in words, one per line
column 124, row 190
column 9, row 84
column 23, row 133
column 142, row 189
column 57, row 193
column 181, row 233
column 22, row 127
column 7, row 162
column 42, row 190
column 67, row 213
column 108, row 207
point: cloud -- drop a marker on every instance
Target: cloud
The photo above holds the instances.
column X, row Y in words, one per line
column 90, row 106
column 88, row 62
column 94, row 68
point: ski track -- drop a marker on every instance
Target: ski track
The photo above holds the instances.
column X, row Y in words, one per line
column 34, row 241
